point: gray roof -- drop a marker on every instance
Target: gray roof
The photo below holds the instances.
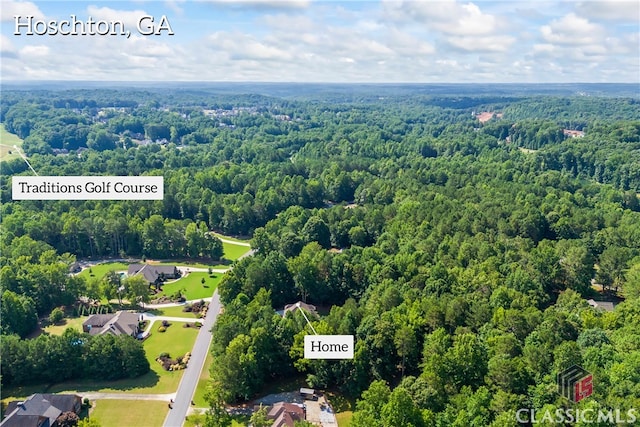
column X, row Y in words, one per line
column 603, row 305
column 293, row 307
column 119, row 323
column 38, row 410
column 151, row 273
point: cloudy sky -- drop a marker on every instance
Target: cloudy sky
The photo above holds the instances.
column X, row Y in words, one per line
column 328, row 41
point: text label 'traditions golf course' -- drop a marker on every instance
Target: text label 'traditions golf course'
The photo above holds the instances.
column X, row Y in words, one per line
column 87, row 187
column 328, row 347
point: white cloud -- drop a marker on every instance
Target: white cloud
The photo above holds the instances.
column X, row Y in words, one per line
column 610, row 10
column 482, row 43
column 572, row 30
column 6, row 47
column 263, row 4
column 130, row 18
column 446, row 16
column 9, row 9
column 36, row 51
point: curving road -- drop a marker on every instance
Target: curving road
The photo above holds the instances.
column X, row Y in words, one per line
column 189, row 381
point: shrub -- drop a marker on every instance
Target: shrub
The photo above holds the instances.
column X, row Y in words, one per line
column 162, row 329
column 165, row 323
column 163, row 355
column 56, row 315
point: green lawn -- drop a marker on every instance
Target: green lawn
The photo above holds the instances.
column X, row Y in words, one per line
column 7, row 141
column 233, row 252
column 192, row 285
column 173, row 312
column 117, row 413
column 100, row 270
column 344, row 418
column 70, row 322
column 176, row 341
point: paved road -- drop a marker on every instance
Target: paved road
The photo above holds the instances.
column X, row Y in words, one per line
column 189, row 381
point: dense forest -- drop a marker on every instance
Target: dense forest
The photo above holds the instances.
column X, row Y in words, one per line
column 459, row 252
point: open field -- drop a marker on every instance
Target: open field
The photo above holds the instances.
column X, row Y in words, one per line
column 70, row 322
column 117, row 413
column 101, row 270
column 192, row 285
column 7, row 141
column 233, row 252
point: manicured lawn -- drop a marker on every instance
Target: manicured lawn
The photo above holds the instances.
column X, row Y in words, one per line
column 7, row 141
column 174, row 312
column 71, row 322
column 176, row 341
column 192, row 285
column 233, row 252
column 100, row 270
column 201, row 389
column 117, row 413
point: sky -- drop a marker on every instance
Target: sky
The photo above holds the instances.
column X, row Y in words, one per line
column 388, row 41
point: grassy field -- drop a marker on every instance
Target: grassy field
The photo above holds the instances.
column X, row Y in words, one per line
column 344, row 418
column 7, row 141
column 101, row 270
column 117, row 413
column 176, row 341
column 192, row 285
column 233, row 252
column 70, row 322
column 173, row 312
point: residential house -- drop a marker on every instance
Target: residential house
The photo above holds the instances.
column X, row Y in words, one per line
column 119, row 323
column 286, row 414
column 40, row 410
column 601, row 305
column 154, row 274
column 290, row 308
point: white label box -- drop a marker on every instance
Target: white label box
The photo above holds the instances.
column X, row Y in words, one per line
column 328, row 346
column 87, row 187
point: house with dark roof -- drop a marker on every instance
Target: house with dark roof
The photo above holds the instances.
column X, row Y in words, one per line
column 40, row 410
column 286, row 414
column 119, row 323
column 154, row 274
